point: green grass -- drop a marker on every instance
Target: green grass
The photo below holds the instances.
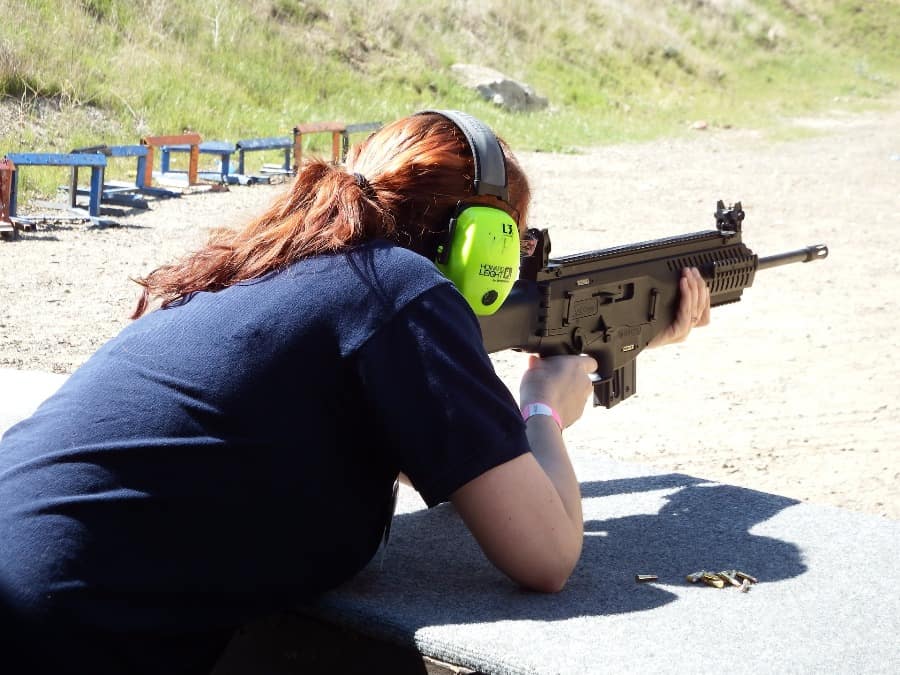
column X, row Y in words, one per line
column 618, row 70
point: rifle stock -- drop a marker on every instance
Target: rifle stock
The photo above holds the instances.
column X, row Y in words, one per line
column 611, row 303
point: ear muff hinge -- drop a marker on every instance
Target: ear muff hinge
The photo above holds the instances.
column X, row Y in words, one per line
column 443, row 249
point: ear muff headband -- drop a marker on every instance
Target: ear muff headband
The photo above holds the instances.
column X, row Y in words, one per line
column 481, row 254
column 490, row 164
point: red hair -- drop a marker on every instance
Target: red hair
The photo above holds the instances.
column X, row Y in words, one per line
column 418, row 169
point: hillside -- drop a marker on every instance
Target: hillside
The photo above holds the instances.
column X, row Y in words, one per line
column 79, row 72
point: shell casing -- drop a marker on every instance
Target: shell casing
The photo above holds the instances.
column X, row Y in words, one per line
column 743, row 576
column 713, row 580
column 643, row 578
column 694, row 577
column 730, row 578
column 745, row 585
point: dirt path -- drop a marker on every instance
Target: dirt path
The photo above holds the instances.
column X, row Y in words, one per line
column 794, row 390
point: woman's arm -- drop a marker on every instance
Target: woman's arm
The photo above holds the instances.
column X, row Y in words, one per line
column 526, row 513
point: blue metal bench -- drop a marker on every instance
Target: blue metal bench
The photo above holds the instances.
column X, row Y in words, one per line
column 362, row 127
column 122, row 195
column 222, row 149
column 141, row 152
column 284, row 143
column 96, row 161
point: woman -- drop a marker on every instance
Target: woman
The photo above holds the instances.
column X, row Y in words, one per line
column 233, row 452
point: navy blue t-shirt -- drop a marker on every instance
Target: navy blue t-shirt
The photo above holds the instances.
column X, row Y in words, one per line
column 234, row 454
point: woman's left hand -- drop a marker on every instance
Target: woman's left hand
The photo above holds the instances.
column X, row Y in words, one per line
column 693, row 309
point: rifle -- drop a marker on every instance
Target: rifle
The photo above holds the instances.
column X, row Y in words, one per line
column 611, row 303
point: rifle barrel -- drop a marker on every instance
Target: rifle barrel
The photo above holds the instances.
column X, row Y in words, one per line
column 808, row 254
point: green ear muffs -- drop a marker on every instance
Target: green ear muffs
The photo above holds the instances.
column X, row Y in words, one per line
column 481, row 252
column 481, row 257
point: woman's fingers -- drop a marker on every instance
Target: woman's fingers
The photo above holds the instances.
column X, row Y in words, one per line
column 703, row 299
column 693, row 308
column 699, row 297
column 687, row 315
column 561, row 382
column 696, row 299
column 589, row 364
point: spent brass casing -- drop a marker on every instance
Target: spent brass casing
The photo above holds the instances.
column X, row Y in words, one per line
column 713, row 580
column 744, row 576
column 730, row 578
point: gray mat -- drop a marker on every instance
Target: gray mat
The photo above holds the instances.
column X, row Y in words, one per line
column 826, row 601
column 22, row 391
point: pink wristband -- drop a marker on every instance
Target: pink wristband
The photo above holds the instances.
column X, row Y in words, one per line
column 541, row 409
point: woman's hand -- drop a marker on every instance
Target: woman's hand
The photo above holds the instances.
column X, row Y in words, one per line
column 562, row 382
column 693, row 309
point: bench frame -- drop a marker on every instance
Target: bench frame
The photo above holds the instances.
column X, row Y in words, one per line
column 97, row 162
column 6, row 175
column 336, row 129
column 191, row 140
column 285, row 143
column 115, row 194
column 362, row 127
column 222, row 149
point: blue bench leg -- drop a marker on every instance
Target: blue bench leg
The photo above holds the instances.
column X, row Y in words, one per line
column 73, row 188
column 287, row 159
column 13, row 189
column 141, row 168
column 225, row 165
column 96, row 190
column 164, row 160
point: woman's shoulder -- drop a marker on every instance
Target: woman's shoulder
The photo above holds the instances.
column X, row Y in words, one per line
column 388, row 253
column 396, row 271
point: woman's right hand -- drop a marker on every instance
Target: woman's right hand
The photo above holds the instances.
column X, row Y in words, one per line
column 562, row 382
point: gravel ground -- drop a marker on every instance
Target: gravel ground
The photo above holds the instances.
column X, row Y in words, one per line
column 794, row 390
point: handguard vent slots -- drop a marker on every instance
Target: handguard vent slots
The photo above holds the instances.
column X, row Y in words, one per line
column 726, row 271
